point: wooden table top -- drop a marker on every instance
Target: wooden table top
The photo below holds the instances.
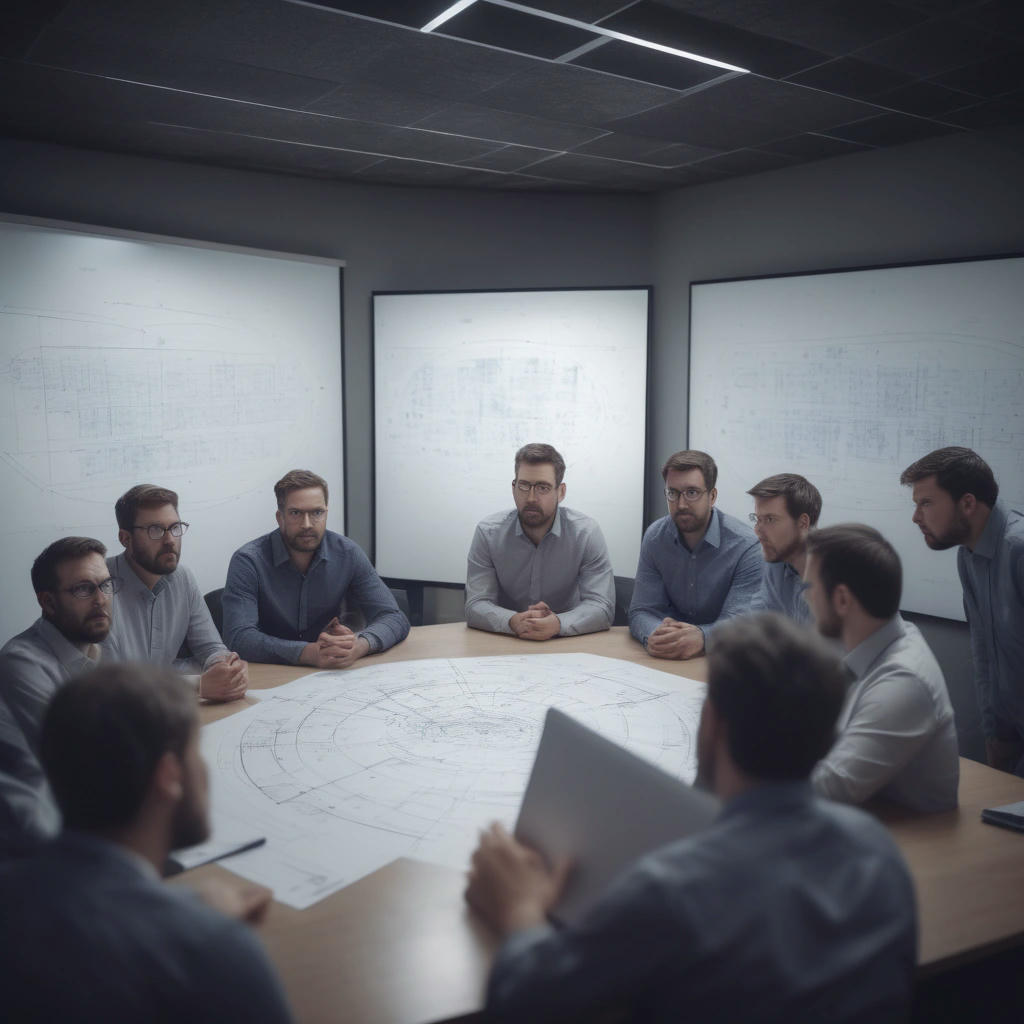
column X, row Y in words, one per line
column 400, row 946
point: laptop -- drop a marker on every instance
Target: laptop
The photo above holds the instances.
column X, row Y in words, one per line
column 603, row 806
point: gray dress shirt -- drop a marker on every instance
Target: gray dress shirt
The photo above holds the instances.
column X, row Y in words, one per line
column 90, row 933
column 993, row 580
column 569, row 570
column 897, row 735
column 714, row 582
column 782, row 591
column 151, row 625
column 271, row 610
column 33, row 666
column 788, row 908
column 27, row 809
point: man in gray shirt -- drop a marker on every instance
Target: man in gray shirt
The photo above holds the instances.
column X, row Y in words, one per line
column 787, row 907
column 539, row 570
column 956, row 502
column 897, row 735
column 89, row 931
column 160, row 606
column 786, row 509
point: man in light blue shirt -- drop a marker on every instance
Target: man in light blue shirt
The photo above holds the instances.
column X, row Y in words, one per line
column 956, row 502
column 787, row 907
column 287, row 591
column 786, row 508
column 698, row 566
column 541, row 569
column 160, row 607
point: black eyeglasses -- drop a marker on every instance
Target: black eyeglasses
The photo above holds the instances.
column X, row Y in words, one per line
column 539, row 489
column 156, row 532
column 85, row 590
column 688, row 494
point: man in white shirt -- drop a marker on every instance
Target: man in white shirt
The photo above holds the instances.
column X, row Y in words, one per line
column 541, row 569
column 160, row 606
column 897, row 735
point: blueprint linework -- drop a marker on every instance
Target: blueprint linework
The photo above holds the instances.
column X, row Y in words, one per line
column 344, row 771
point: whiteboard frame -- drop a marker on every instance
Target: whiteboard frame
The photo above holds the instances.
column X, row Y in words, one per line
column 912, row 264
column 417, row 584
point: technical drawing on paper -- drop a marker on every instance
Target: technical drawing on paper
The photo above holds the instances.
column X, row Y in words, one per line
column 345, row 771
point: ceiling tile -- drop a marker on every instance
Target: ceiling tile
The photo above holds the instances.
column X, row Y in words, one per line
column 812, row 147
column 934, row 47
column 514, row 30
column 745, row 161
column 1003, row 17
column 484, row 123
column 371, row 103
column 997, row 113
column 646, row 65
column 926, row 99
column 699, row 126
column 644, row 150
column 987, row 78
column 891, row 130
column 848, row 76
column 509, row 158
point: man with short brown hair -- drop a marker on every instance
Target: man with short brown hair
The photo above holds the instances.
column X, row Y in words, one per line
column 541, row 569
column 160, row 607
column 698, row 566
column 287, row 591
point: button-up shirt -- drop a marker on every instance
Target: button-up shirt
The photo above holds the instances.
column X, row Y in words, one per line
column 569, row 570
column 151, row 625
column 27, row 809
column 34, row 665
column 992, row 576
column 271, row 610
column 897, row 735
column 782, row 590
column 786, row 908
column 715, row 581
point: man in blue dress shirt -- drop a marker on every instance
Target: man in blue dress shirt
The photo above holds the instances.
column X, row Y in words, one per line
column 956, row 502
column 788, row 907
column 287, row 591
column 89, row 931
column 697, row 565
column 786, row 507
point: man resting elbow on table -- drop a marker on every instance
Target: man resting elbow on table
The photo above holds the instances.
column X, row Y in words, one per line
column 286, row 590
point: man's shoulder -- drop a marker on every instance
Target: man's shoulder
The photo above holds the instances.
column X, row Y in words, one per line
column 659, row 529
column 497, row 522
column 29, row 643
column 578, row 522
column 257, row 549
column 735, row 531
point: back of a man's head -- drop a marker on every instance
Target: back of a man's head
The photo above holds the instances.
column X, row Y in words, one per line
column 778, row 688
column 103, row 735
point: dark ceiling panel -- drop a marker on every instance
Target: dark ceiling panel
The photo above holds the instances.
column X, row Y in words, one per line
column 566, row 93
column 848, row 76
column 370, row 103
column 1003, row 17
column 192, row 72
column 413, row 13
column 514, row 30
column 988, row 78
column 598, row 171
column 890, row 130
column 644, row 150
column 926, row 99
column 589, row 11
column 745, row 161
column 1007, row 110
column 413, row 172
column 759, row 53
column 935, row 47
column 812, row 147
column 484, row 123
column 646, row 65
column 509, row 158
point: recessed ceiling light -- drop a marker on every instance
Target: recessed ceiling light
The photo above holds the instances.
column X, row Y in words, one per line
column 447, row 14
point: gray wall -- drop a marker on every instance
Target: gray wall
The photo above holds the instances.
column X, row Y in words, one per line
column 945, row 198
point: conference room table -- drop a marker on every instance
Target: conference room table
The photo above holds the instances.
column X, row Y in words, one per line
column 401, row 947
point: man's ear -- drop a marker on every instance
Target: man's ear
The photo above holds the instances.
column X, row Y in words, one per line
column 47, row 602
column 561, row 491
column 803, row 524
column 842, row 599
column 280, row 518
column 124, row 536
column 968, row 504
column 168, row 778
column 713, row 496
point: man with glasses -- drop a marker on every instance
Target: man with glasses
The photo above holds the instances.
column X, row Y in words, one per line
column 74, row 590
column 288, row 590
column 539, row 570
column 161, row 607
column 698, row 566
column 786, row 507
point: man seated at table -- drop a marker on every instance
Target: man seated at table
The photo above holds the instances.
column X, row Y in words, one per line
column 786, row 508
column 897, row 734
column 788, row 907
column 160, row 606
column 287, row 590
column 956, row 504
column 75, row 593
column 541, row 569
column 88, row 929
column 698, row 565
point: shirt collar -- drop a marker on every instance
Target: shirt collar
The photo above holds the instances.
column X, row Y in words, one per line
column 712, row 536
column 993, row 532
column 769, row 796
column 97, row 846
column 132, row 581
column 67, row 653
column 280, row 552
column 556, row 524
column 863, row 656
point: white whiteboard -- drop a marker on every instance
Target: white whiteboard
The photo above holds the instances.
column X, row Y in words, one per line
column 849, row 377
column 126, row 361
column 464, row 379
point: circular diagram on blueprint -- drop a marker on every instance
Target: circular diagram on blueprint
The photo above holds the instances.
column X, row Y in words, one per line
column 413, row 758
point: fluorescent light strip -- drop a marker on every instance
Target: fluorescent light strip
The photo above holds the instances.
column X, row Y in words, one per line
column 596, row 29
column 446, row 15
